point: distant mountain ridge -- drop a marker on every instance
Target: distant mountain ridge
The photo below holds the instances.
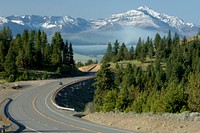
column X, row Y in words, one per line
column 117, row 26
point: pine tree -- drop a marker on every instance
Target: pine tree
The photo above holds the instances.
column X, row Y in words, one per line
column 109, row 101
column 6, row 37
column 103, row 84
column 128, row 77
column 115, row 50
column 157, row 41
column 150, row 49
column 176, row 39
column 118, row 75
column 56, row 43
column 44, row 41
column 131, row 53
column 184, row 40
column 65, row 56
column 138, row 48
column 38, row 50
column 47, row 56
column 123, row 53
column 2, row 55
column 9, row 64
column 71, row 55
column 194, row 92
column 29, row 51
column 108, row 55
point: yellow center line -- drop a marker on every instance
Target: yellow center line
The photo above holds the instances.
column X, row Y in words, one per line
column 33, row 104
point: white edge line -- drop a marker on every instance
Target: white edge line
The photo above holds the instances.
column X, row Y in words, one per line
column 17, row 121
column 81, row 121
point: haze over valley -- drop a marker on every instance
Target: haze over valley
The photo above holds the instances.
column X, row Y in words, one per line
column 127, row 27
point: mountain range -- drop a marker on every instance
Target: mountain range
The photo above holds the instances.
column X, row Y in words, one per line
column 126, row 27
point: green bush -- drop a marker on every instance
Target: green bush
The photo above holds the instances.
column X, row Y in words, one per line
column 175, row 98
column 109, row 101
column 11, row 78
column 45, row 76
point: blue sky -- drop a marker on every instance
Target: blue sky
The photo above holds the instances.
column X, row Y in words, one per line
column 188, row 10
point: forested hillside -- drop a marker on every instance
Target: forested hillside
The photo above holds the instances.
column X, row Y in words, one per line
column 31, row 51
column 167, row 79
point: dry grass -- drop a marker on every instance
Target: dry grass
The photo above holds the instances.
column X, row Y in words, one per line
column 2, row 81
column 90, row 68
column 137, row 63
column 145, row 123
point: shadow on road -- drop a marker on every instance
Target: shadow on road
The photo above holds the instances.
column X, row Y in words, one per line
column 21, row 127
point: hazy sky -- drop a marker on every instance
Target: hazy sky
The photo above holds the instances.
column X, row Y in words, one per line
column 188, row 10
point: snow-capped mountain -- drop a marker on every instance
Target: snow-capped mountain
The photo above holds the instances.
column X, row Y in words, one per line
column 116, row 26
column 146, row 18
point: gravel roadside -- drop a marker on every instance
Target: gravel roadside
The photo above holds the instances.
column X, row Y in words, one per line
column 164, row 123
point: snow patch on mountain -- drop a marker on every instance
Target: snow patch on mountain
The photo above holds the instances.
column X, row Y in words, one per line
column 173, row 21
column 48, row 25
column 18, row 22
column 97, row 24
column 126, row 23
column 3, row 20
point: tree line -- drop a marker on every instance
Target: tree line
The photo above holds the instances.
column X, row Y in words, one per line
column 171, row 83
column 32, row 51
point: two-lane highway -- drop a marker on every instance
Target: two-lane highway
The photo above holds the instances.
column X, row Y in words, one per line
column 33, row 111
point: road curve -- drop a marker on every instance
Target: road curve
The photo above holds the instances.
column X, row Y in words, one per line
column 33, row 111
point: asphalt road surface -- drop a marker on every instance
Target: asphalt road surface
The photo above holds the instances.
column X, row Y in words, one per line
column 33, row 111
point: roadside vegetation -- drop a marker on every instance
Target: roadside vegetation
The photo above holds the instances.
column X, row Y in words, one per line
column 87, row 63
column 29, row 56
column 159, row 75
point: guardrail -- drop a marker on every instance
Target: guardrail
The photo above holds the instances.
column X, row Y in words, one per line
column 63, row 86
column 6, row 121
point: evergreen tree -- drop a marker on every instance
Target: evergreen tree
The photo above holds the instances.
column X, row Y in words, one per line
column 184, row 40
column 47, row 56
column 44, row 41
column 123, row 53
column 25, row 36
column 175, row 98
column 194, row 92
column 150, row 49
column 6, row 37
column 128, row 77
column 2, row 55
column 138, row 48
column 115, row 50
column 29, row 51
column 38, row 50
column 103, row 84
column 65, row 56
column 131, row 53
column 71, row 55
column 157, row 41
column 109, row 101
column 118, row 75
column 108, row 55
column 176, row 39
column 9, row 64
column 56, row 43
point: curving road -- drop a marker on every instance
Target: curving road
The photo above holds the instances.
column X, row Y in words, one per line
column 33, row 111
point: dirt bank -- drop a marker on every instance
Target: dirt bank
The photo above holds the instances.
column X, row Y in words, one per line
column 167, row 123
